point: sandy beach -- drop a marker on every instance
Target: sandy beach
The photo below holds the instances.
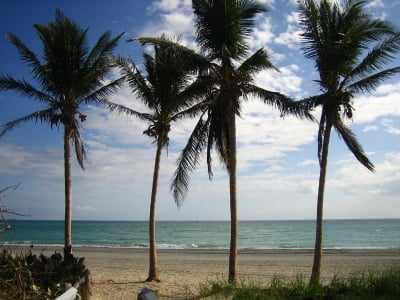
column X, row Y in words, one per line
column 120, row 273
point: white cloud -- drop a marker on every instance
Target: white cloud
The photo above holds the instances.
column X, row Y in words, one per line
column 389, row 126
column 290, row 38
column 293, row 2
column 267, row 2
column 369, row 108
column 174, row 18
column 375, row 3
column 308, row 163
column 39, row 162
column 168, row 5
column 370, row 128
column 293, row 17
column 285, row 81
column 262, row 34
column 388, row 88
column 355, row 179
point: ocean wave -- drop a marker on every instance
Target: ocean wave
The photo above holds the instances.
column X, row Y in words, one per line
column 163, row 246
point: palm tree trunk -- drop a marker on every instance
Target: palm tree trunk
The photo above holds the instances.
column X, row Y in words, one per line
column 233, row 196
column 316, row 268
column 68, row 197
column 153, row 265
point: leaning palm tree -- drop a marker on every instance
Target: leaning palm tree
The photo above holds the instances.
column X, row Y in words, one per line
column 349, row 48
column 227, row 78
column 70, row 76
column 168, row 93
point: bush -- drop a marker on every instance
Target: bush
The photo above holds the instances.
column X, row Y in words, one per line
column 27, row 276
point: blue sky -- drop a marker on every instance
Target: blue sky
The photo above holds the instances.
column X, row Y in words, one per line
column 277, row 158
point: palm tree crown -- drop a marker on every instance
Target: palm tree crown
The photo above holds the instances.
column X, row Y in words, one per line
column 349, row 47
column 223, row 26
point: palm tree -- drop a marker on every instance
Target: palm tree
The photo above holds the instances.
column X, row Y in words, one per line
column 70, row 76
column 349, row 48
column 167, row 93
column 226, row 79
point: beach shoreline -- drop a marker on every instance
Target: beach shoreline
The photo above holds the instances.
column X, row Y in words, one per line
column 120, row 273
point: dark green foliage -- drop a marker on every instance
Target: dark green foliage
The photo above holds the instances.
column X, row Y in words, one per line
column 362, row 285
column 16, row 280
column 28, row 276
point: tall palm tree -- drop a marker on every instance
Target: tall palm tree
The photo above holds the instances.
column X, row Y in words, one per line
column 167, row 92
column 70, row 76
column 349, row 48
column 226, row 79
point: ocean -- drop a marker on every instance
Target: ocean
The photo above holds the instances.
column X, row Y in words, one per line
column 338, row 234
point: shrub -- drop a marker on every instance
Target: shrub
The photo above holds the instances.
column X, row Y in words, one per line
column 27, row 276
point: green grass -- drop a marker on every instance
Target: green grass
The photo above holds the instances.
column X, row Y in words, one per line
column 367, row 284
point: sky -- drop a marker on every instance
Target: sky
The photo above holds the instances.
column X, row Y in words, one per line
column 277, row 157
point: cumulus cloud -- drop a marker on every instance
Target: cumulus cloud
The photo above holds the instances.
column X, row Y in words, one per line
column 291, row 37
column 174, row 18
column 286, row 81
column 262, row 34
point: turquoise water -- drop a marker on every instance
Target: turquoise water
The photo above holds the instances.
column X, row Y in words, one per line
column 338, row 234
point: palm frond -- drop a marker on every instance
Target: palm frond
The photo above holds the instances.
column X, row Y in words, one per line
column 218, row 136
column 321, row 133
column 29, row 57
column 101, row 94
column 190, row 112
column 22, row 87
column 121, row 109
column 257, row 62
column 188, row 161
column 283, row 103
column 45, row 115
column 79, row 145
column 309, row 17
column 380, row 55
column 196, row 59
column 370, row 83
column 136, row 81
column 102, row 51
column 310, row 103
column 222, row 26
column 194, row 98
column 352, row 143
